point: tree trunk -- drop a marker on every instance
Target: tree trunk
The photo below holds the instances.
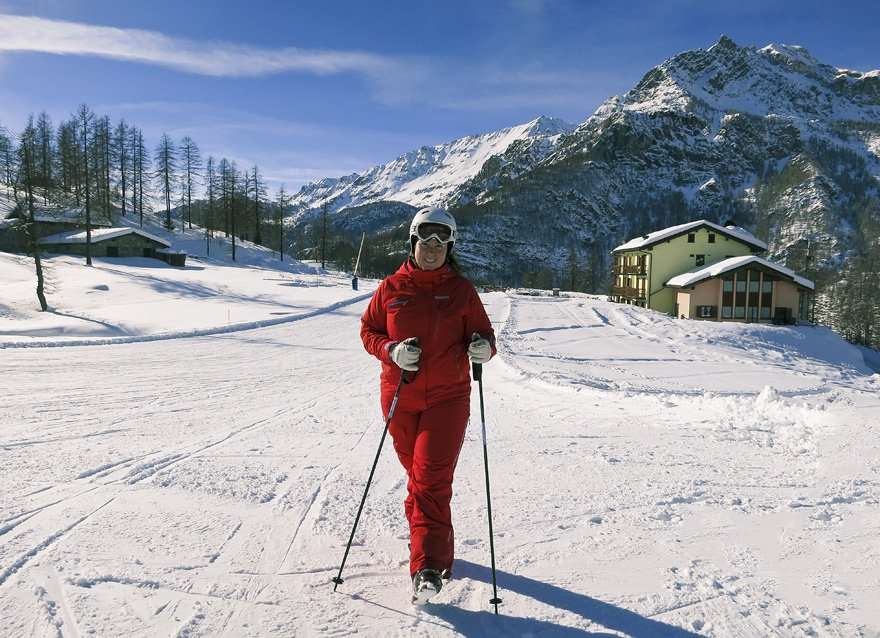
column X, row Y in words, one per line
column 85, row 155
column 34, row 245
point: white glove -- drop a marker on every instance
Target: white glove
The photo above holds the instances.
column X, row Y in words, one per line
column 479, row 350
column 406, row 354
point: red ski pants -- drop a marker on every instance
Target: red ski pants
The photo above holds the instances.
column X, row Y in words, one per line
column 427, row 444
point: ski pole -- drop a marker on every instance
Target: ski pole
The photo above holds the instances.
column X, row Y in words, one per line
column 338, row 580
column 478, row 377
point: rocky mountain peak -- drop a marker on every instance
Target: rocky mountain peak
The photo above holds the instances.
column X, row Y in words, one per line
column 724, row 44
column 545, row 125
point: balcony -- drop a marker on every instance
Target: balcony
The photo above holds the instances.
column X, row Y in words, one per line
column 626, row 291
column 629, row 270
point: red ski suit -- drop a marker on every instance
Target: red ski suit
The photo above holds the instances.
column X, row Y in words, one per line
column 443, row 310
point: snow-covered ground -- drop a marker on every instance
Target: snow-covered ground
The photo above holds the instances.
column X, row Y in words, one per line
column 650, row 477
column 135, row 299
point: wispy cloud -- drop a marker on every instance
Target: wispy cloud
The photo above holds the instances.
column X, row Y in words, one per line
column 219, row 59
column 493, row 86
column 392, row 80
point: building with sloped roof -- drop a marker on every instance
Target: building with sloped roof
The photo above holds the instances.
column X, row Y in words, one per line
column 702, row 270
column 107, row 242
column 13, row 237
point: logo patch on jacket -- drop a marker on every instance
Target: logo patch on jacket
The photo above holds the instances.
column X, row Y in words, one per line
column 399, row 301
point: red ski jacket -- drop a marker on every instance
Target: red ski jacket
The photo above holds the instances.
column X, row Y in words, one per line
column 443, row 310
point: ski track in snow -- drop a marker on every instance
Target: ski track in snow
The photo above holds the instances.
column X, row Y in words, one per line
column 645, row 482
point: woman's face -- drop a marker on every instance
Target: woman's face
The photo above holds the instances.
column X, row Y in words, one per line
column 430, row 255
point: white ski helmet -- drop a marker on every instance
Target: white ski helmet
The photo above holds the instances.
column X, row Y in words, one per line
column 433, row 215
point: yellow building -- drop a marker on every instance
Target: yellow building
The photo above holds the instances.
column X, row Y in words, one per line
column 702, row 270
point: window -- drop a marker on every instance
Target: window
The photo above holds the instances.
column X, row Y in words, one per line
column 711, row 238
column 766, row 296
column 754, row 285
column 740, row 291
column 739, row 301
column 706, row 312
column 727, row 298
column 803, row 306
column 691, row 238
column 701, row 260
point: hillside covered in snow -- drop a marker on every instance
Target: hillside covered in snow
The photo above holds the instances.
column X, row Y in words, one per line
column 650, row 476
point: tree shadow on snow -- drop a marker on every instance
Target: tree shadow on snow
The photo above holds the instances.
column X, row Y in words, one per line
column 614, row 618
column 115, row 330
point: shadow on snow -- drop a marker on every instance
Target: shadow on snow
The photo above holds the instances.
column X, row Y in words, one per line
column 609, row 616
column 487, row 623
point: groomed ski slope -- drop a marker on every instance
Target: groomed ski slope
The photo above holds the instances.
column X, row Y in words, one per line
column 651, row 477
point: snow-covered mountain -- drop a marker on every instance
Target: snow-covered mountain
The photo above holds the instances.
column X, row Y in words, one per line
column 770, row 137
column 787, row 146
column 431, row 174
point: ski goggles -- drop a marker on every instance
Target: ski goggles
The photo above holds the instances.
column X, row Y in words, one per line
column 440, row 232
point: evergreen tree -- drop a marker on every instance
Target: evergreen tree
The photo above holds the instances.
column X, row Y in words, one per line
column 140, row 159
column 258, row 191
column 573, row 269
column 85, row 117
column 69, row 176
column 229, row 196
column 7, row 151
column 323, row 235
column 44, row 153
column 281, row 205
column 121, row 160
column 210, row 190
column 191, row 166
column 103, row 144
column 166, row 170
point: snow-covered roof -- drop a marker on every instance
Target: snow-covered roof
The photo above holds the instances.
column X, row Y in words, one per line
column 98, row 234
column 702, row 273
column 734, row 232
column 65, row 216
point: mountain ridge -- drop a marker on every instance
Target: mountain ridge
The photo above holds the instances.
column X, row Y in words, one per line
column 770, row 137
column 427, row 175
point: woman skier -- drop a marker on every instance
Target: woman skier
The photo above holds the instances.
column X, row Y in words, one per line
column 426, row 322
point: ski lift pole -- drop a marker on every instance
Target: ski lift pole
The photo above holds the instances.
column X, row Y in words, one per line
column 478, row 377
column 354, row 279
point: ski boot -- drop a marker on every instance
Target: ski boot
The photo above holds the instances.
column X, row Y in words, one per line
column 426, row 584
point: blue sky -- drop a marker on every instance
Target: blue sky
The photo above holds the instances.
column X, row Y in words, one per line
column 313, row 89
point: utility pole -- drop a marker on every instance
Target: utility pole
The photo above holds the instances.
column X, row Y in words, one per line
column 323, row 235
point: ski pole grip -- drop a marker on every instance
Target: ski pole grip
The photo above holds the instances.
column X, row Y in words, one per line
column 477, row 367
column 407, row 375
